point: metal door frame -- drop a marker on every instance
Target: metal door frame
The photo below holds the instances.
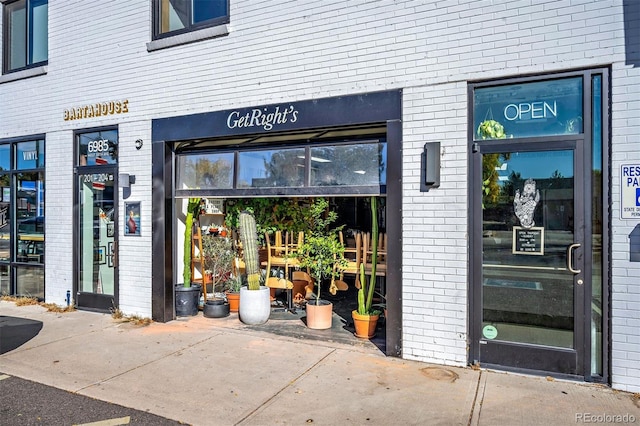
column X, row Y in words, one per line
column 571, row 360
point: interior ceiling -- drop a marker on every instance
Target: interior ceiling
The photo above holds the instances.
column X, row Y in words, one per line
column 314, row 135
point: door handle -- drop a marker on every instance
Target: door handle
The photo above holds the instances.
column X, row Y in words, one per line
column 570, row 258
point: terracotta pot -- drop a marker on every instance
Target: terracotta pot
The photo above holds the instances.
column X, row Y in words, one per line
column 319, row 316
column 234, row 301
column 299, row 288
column 365, row 324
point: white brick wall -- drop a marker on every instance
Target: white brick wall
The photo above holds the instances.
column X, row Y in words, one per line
column 276, row 52
column 58, row 216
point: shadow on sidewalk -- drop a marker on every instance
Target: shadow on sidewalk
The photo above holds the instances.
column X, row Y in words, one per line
column 15, row 332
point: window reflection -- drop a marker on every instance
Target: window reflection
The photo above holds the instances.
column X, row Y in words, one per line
column 205, row 171
column 5, row 157
column 30, row 212
column 98, row 148
column 541, row 108
column 348, row 165
column 271, row 168
column 30, row 282
column 5, row 280
column 362, row 164
column 30, row 155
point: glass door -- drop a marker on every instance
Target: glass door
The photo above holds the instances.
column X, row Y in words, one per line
column 96, row 206
column 529, row 272
column 97, row 239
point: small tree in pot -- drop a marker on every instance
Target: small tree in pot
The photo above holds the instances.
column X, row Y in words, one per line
column 323, row 254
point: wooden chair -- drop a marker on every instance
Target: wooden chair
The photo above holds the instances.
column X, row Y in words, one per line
column 278, row 252
column 353, row 254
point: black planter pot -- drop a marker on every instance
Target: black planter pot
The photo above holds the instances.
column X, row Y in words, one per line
column 187, row 300
column 216, row 308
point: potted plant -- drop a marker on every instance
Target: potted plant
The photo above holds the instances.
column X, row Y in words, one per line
column 187, row 294
column 323, row 254
column 491, row 129
column 255, row 305
column 232, row 291
column 217, row 256
column 365, row 318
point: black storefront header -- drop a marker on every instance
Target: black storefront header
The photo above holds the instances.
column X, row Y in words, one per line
column 325, row 112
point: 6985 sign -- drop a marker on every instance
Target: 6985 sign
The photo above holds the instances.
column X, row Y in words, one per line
column 97, row 146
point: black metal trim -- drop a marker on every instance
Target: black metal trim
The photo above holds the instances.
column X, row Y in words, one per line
column 393, row 345
column 162, row 270
column 312, row 191
column 95, row 302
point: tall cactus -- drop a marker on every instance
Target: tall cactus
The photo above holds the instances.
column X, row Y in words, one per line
column 249, row 239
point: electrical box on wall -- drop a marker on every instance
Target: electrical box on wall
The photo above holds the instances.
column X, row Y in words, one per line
column 430, row 166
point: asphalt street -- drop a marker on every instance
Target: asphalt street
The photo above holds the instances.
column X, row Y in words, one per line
column 23, row 403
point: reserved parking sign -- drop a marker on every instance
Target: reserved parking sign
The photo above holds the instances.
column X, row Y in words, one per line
column 630, row 191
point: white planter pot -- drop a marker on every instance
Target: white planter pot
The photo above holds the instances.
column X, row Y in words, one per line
column 255, row 305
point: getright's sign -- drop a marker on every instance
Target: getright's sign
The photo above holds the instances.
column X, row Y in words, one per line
column 265, row 118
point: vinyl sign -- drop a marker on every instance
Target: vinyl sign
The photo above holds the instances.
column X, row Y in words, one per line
column 630, row 191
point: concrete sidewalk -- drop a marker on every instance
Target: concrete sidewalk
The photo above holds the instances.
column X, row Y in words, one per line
column 204, row 371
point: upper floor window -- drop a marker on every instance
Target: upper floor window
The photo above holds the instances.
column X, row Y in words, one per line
column 180, row 16
column 25, row 37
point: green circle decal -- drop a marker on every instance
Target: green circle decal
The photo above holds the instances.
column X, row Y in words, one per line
column 490, row 332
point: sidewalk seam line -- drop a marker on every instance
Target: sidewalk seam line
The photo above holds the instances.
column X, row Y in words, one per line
column 288, row 385
column 142, row 365
column 475, row 398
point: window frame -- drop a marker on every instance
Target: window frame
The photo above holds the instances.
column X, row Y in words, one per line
column 157, row 16
column 13, row 264
column 306, row 188
column 28, row 37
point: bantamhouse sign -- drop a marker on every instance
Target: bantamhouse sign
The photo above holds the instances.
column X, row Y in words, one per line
column 97, row 110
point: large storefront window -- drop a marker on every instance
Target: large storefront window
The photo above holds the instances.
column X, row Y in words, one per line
column 361, row 164
column 22, row 202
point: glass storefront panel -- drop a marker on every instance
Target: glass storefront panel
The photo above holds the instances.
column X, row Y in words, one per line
column 5, row 217
column 98, row 148
column 348, row 165
column 30, row 281
column 542, row 108
column 30, row 211
column 30, row 155
column 271, row 168
column 205, row 171
column 5, row 157
column 5, row 280
column 597, row 228
column 96, row 232
column 528, row 223
column 22, row 217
